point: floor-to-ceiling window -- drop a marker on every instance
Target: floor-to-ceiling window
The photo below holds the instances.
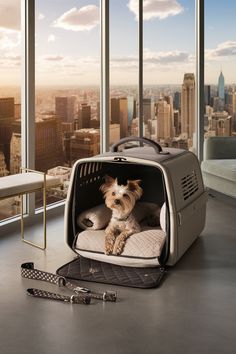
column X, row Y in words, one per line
column 67, row 79
column 10, row 98
column 169, row 72
column 124, row 119
column 220, row 68
column 67, row 86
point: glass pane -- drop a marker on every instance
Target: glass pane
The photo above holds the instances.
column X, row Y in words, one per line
column 67, row 86
column 169, row 72
column 123, row 71
column 220, row 72
column 10, row 100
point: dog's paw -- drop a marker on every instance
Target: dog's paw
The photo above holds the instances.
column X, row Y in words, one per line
column 108, row 249
column 118, row 248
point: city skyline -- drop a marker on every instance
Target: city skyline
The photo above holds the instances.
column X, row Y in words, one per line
column 67, row 42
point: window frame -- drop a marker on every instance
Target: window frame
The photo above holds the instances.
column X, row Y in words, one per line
column 28, row 83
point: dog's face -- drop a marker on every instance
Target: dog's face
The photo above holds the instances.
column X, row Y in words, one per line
column 121, row 198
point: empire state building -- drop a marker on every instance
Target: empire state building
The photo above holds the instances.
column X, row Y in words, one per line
column 221, row 87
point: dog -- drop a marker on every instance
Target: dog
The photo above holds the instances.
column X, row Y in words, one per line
column 121, row 200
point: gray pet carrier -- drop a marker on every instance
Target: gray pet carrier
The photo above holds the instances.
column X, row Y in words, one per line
column 170, row 178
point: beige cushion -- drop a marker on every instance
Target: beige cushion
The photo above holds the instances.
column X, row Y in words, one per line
column 24, row 182
column 145, row 244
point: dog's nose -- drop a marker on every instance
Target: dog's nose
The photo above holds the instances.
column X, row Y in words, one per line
column 116, row 201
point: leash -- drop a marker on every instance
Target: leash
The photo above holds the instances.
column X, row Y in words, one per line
column 83, row 295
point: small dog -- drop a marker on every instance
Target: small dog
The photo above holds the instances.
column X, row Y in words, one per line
column 121, row 200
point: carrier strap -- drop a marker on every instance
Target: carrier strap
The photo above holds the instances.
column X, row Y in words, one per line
column 83, row 295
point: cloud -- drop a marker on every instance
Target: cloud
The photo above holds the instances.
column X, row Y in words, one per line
column 10, row 14
column 83, row 19
column 53, row 57
column 51, row 38
column 174, row 56
column 152, row 58
column 41, row 16
column 9, row 39
column 10, row 61
column 225, row 49
column 160, row 9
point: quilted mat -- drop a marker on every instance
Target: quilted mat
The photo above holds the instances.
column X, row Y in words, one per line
column 90, row 270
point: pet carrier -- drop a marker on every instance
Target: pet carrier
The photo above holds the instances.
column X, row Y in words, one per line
column 170, row 178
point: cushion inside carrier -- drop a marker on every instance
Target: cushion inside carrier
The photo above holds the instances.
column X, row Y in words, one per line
column 141, row 249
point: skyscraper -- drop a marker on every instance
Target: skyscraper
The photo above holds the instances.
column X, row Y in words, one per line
column 65, row 108
column 148, row 109
column 164, row 125
column 207, row 95
column 7, row 112
column 221, row 87
column 123, row 109
column 84, row 116
column 188, row 105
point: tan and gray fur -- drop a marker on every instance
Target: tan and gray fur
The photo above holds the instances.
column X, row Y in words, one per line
column 121, row 200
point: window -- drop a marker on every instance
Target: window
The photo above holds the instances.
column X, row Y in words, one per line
column 67, row 68
column 220, row 73
column 169, row 72
column 10, row 98
column 123, row 71
column 67, row 74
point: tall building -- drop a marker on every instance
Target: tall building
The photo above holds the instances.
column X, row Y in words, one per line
column 221, row 88
column 7, row 113
column 207, row 95
column 48, row 143
column 234, row 111
column 123, row 113
column 15, row 159
column 65, row 108
column 188, row 105
column 84, row 143
column 3, row 167
column 130, row 103
column 114, row 114
column 84, row 116
column 148, row 109
column 164, row 124
column 177, row 100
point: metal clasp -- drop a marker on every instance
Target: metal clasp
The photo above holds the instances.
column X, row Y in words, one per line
column 61, row 281
column 80, row 289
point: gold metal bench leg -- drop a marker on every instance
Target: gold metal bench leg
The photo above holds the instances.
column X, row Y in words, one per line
column 43, row 247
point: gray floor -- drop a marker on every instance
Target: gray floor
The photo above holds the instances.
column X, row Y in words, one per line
column 194, row 311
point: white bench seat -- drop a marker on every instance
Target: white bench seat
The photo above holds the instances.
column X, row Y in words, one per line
column 23, row 183
column 27, row 182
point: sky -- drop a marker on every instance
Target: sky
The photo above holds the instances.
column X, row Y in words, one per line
column 68, row 45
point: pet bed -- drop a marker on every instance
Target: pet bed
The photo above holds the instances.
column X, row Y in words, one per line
column 142, row 249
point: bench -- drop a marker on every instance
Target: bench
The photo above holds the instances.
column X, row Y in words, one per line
column 28, row 181
column 219, row 164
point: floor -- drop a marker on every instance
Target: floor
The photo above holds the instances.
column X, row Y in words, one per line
column 194, row 310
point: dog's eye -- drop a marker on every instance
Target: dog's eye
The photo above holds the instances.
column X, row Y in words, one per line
column 113, row 193
column 125, row 195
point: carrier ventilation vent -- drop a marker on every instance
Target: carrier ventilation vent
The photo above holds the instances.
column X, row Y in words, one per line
column 189, row 185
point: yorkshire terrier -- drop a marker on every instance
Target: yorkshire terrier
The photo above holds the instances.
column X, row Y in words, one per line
column 121, row 200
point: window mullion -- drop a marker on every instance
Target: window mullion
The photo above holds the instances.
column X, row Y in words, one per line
column 140, row 64
column 28, row 89
column 200, row 77
column 105, row 80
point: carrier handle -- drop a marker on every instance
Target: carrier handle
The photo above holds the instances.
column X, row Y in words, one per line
column 156, row 146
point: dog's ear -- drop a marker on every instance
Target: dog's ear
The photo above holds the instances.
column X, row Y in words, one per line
column 134, row 187
column 109, row 181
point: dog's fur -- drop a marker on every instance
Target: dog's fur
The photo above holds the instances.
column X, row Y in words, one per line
column 121, row 200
